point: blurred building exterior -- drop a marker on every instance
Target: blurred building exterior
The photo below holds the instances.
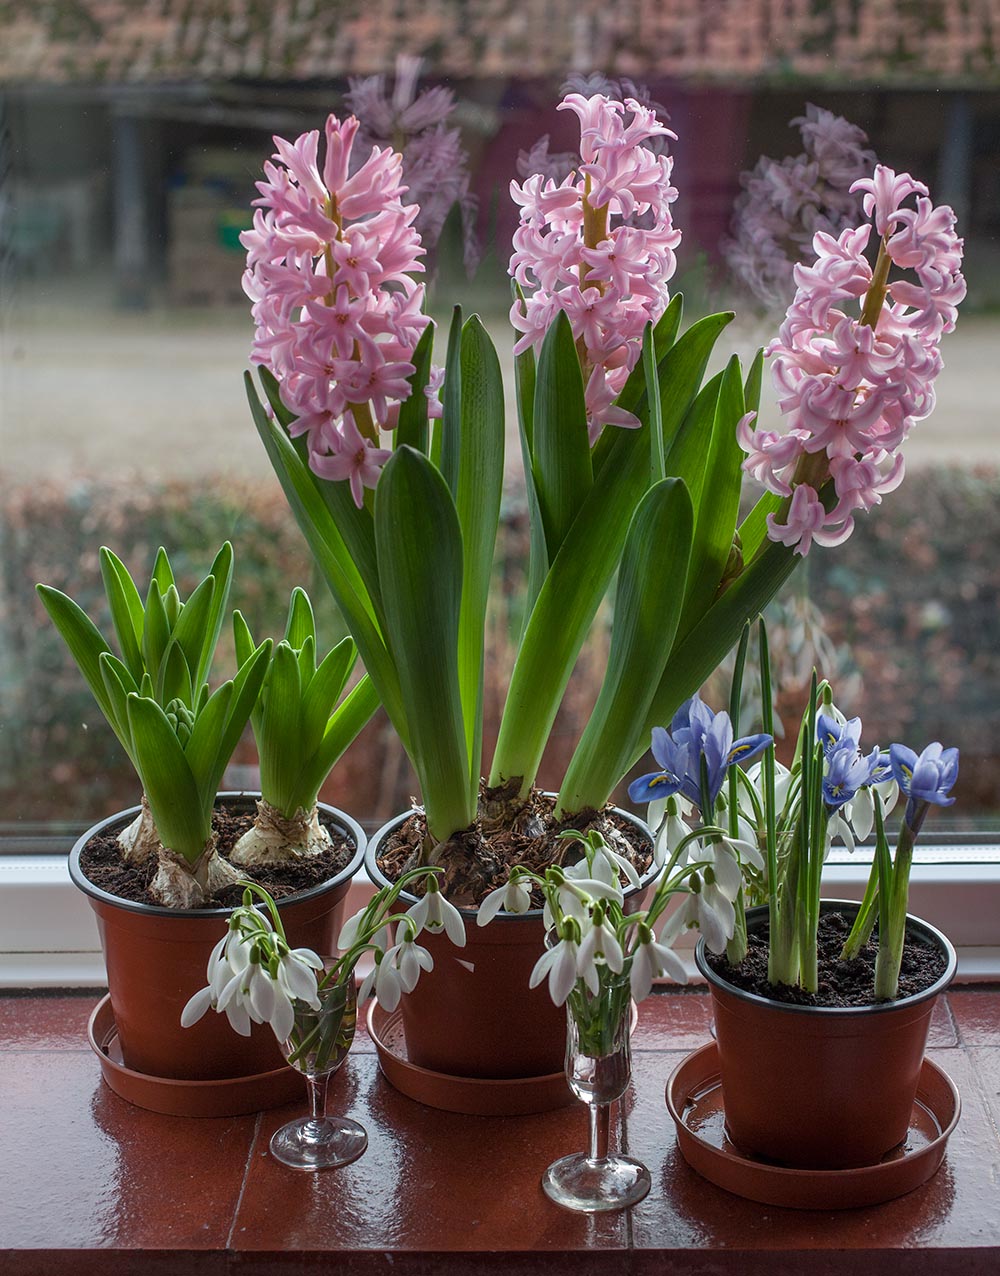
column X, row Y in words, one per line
column 138, row 125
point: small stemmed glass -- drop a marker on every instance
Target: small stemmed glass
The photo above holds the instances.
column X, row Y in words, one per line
column 598, row 1070
column 317, row 1046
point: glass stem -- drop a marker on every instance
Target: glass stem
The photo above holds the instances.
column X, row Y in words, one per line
column 317, row 1087
column 600, row 1130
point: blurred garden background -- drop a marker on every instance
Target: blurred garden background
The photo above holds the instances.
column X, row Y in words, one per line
column 131, row 134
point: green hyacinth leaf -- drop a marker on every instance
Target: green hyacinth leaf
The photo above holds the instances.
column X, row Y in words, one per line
column 477, row 502
column 127, row 614
column 647, row 611
column 422, row 593
column 560, row 462
column 411, row 427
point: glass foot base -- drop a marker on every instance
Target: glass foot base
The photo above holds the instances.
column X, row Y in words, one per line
column 578, row 1183
column 318, row 1145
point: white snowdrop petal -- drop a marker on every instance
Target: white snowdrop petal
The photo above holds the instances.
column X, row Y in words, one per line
column 196, row 1007
column 238, row 1018
column 491, row 905
column 349, row 930
column 262, row 995
column 367, row 984
column 670, row 964
column 564, row 971
column 454, row 925
column 728, row 874
column 655, row 812
column 282, row 1017
column 641, row 975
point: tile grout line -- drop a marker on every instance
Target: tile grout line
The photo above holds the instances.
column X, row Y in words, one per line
column 243, row 1187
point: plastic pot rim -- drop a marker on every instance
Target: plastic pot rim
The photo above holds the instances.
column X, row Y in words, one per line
column 914, row 925
column 340, row 819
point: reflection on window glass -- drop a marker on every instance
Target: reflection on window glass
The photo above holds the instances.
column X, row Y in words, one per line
column 130, row 140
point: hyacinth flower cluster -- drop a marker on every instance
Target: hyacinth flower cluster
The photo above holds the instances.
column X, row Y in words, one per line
column 855, row 362
column 785, row 202
column 598, row 954
column 254, row 976
column 558, row 165
column 330, row 265
column 576, row 250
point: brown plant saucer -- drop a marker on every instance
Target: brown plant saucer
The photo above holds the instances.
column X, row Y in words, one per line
column 694, row 1100
column 474, row 1096
column 228, row 1096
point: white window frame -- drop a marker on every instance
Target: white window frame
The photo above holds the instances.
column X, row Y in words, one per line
column 49, row 938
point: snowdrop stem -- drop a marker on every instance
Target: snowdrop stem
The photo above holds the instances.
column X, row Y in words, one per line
column 600, row 1130
column 249, row 890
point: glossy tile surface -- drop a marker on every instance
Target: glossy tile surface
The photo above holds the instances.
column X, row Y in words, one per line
column 45, row 1023
column 82, row 1169
column 977, row 1015
column 430, row 1181
column 91, row 1185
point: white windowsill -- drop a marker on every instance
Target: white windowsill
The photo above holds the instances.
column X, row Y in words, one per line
column 49, row 939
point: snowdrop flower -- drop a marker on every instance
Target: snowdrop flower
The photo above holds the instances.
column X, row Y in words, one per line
column 650, row 960
column 670, row 831
column 561, row 963
column 351, row 929
column 706, row 908
column 600, row 944
column 514, row 897
column 434, row 913
column 396, row 970
column 612, row 864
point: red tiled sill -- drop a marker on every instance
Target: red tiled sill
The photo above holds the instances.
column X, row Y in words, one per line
column 89, row 1184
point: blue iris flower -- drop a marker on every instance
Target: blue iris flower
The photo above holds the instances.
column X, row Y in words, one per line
column 847, row 770
column 696, row 734
column 831, row 733
column 926, row 780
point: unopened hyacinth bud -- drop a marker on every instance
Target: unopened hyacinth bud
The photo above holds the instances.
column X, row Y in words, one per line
column 181, row 719
column 330, row 265
column 578, row 248
column 855, row 363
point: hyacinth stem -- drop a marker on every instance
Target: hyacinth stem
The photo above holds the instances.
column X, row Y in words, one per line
column 875, row 296
column 364, row 421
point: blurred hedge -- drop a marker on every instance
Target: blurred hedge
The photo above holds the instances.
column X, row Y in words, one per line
column 907, row 609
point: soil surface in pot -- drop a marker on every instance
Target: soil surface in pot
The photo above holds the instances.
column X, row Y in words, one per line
column 508, row 832
column 847, row 984
column 102, row 863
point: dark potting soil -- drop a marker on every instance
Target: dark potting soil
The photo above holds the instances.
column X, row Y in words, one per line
column 508, row 832
column 102, row 863
column 841, row 983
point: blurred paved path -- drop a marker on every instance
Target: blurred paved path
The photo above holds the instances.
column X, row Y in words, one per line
column 159, row 394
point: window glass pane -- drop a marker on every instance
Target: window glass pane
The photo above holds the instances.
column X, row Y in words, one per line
column 130, row 140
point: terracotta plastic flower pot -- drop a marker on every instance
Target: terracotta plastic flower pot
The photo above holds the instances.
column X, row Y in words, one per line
column 157, row 957
column 821, row 1087
column 474, row 1015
